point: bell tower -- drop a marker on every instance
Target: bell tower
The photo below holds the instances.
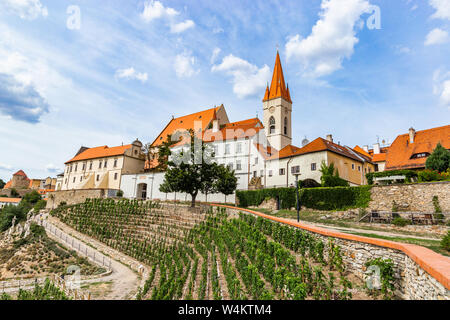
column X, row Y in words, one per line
column 277, row 106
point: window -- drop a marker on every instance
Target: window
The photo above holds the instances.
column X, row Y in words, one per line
column 270, row 173
column 90, row 165
column 227, row 149
column 282, row 171
column 106, row 163
column 216, row 150
column 313, row 167
column 359, row 168
column 115, row 163
column 81, row 178
column 420, row 155
column 256, row 160
column 254, row 174
column 76, row 167
column 353, row 166
column 261, row 173
column 65, row 181
column 230, row 166
column 272, row 125
column 376, row 167
column 295, row 169
column 115, row 176
column 98, row 177
column 285, row 125
column 100, row 165
column 73, row 179
column 84, row 166
column 70, row 168
column 238, row 165
column 239, row 148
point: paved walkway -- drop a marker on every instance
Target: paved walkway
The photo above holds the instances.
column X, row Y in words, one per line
column 125, row 281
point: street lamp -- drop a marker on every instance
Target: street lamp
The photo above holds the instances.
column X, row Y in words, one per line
column 297, row 174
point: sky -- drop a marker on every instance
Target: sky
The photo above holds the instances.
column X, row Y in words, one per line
column 92, row 73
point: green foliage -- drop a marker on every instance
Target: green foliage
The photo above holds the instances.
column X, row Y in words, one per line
column 119, row 194
column 445, row 243
column 256, row 197
column 41, row 204
column 333, row 181
column 400, row 222
column 387, row 279
column 309, row 183
column 439, row 160
column 430, row 175
column 394, row 206
column 32, row 197
column 14, row 193
column 2, row 183
column 409, row 175
column 9, row 212
column 437, row 207
column 226, row 182
column 339, row 198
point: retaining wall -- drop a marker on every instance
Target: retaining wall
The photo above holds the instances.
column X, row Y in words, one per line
column 421, row 273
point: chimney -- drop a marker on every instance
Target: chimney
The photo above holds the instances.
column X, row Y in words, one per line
column 376, row 148
column 366, row 148
column 412, row 134
column 215, row 126
column 330, row 137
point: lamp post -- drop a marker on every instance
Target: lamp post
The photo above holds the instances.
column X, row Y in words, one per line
column 297, row 195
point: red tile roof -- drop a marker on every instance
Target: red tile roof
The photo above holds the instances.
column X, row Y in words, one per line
column 185, row 123
column 425, row 141
column 10, row 200
column 20, row 173
column 100, row 152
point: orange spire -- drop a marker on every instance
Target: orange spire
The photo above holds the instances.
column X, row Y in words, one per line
column 288, row 94
column 278, row 86
column 266, row 96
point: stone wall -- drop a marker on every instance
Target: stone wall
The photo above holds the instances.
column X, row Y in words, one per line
column 73, row 196
column 411, row 197
column 412, row 281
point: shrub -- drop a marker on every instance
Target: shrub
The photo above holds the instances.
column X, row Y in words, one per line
column 119, row 194
column 41, row 204
column 437, row 207
column 409, row 175
column 333, row 181
column 400, row 222
column 14, row 193
column 387, row 279
column 429, row 175
column 339, row 198
column 445, row 243
column 309, row 183
column 439, row 160
column 256, row 197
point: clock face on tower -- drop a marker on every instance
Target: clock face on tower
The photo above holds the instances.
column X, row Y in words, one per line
column 272, row 109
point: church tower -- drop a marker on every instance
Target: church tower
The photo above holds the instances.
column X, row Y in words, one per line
column 277, row 105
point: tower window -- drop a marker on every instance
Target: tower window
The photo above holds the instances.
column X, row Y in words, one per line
column 272, row 125
column 285, row 125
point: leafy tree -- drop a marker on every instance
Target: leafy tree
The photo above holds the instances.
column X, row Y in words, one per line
column 2, row 183
column 330, row 176
column 192, row 171
column 226, row 182
column 14, row 193
column 32, row 197
column 439, row 160
column 8, row 213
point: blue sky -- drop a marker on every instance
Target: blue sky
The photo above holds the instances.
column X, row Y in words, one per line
column 125, row 67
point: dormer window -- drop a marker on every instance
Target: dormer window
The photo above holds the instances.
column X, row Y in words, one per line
column 420, row 155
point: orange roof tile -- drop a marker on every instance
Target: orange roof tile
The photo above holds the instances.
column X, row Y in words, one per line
column 317, row 145
column 10, row 200
column 425, row 141
column 8, row 185
column 234, row 130
column 20, row 173
column 361, row 151
column 278, row 86
column 379, row 157
column 100, row 152
column 186, row 123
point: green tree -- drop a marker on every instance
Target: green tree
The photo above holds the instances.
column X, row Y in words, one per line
column 9, row 212
column 330, row 176
column 439, row 160
column 14, row 193
column 2, row 183
column 226, row 182
column 32, row 197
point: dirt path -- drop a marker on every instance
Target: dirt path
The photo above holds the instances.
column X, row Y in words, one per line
column 125, row 281
column 358, row 230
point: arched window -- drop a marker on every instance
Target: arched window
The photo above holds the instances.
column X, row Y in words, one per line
column 285, row 125
column 272, row 125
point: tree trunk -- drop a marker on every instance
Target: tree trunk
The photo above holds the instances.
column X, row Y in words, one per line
column 193, row 200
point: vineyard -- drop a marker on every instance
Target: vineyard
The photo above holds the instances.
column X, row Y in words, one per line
column 208, row 254
column 46, row 292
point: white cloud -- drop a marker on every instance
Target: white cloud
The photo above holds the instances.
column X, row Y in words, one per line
column 248, row 79
column 26, row 9
column 156, row 10
column 182, row 26
column 52, row 168
column 215, row 55
column 437, row 36
column 442, row 9
column 130, row 74
column 332, row 39
column 184, row 65
column 414, row 7
column 441, row 87
column 4, row 166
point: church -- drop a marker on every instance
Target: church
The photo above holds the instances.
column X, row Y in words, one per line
column 260, row 152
